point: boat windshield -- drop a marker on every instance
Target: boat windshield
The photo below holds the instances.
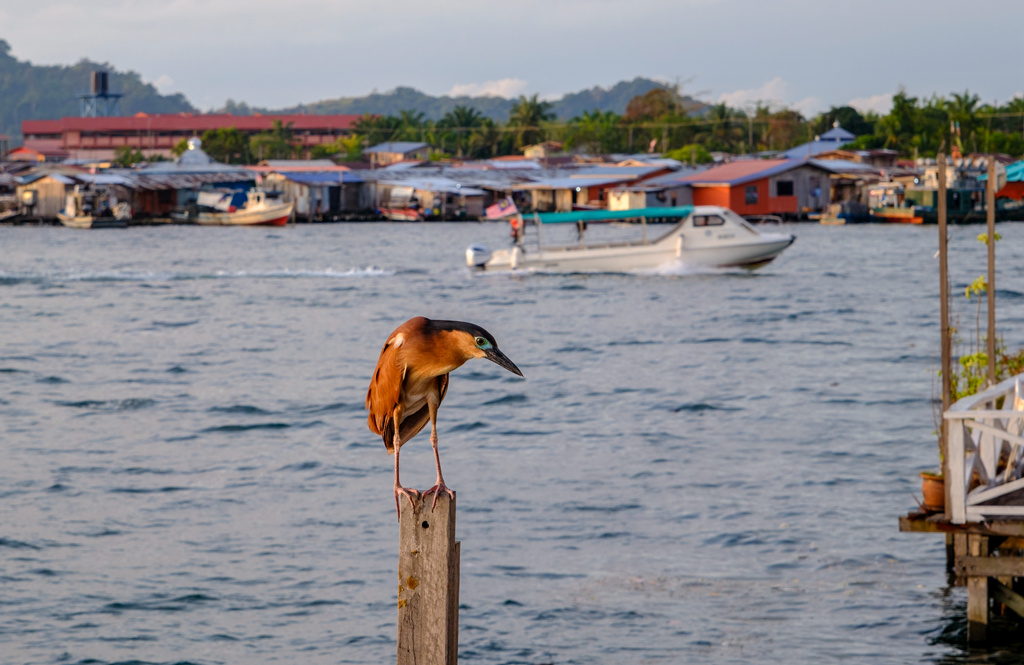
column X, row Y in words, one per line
column 739, row 221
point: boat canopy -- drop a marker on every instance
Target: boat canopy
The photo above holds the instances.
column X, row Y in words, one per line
column 608, row 215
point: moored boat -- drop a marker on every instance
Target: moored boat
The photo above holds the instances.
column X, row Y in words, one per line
column 88, row 209
column 707, row 236
column 220, row 209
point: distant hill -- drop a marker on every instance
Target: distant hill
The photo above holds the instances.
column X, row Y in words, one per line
column 34, row 92
column 41, row 92
column 434, row 108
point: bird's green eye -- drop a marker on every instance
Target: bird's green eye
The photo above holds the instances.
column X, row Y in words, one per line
column 482, row 342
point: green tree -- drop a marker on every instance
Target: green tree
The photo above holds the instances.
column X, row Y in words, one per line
column 849, row 119
column 179, row 148
column 654, row 104
column 127, row 156
column 691, row 154
column 378, row 128
column 347, row 148
column 413, row 125
column 963, row 109
column 527, row 118
column 487, row 140
column 228, row 145
column 459, row 125
column 599, row 132
column 277, row 143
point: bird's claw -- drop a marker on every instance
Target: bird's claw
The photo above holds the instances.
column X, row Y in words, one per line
column 436, row 491
column 414, row 496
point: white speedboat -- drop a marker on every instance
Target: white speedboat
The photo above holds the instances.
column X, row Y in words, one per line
column 217, row 209
column 707, row 236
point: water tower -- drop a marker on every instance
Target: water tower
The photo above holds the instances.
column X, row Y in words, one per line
column 100, row 101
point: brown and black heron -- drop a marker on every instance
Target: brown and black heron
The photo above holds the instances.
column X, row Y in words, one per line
column 411, row 380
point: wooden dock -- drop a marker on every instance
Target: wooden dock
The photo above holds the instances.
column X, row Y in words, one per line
column 987, row 558
column 984, row 512
column 981, row 441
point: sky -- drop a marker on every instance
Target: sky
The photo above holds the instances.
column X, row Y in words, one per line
column 803, row 54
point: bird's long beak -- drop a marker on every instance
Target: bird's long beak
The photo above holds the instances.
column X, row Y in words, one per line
column 499, row 358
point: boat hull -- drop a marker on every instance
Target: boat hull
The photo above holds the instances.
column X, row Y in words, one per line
column 90, row 222
column 641, row 257
column 271, row 215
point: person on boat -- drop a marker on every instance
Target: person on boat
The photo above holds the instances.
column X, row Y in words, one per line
column 516, row 222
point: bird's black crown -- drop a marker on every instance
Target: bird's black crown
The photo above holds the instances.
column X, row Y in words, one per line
column 470, row 328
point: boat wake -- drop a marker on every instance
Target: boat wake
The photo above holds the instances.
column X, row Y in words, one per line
column 14, row 278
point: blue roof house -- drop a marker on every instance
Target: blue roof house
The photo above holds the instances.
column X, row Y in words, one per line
column 833, row 139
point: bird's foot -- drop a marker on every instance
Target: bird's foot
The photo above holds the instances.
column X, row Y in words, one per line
column 413, row 495
column 436, row 491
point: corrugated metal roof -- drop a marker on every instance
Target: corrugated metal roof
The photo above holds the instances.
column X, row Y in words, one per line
column 624, row 172
column 844, row 166
column 321, row 177
column 670, row 179
column 295, row 164
column 395, row 146
column 568, row 183
column 738, row 172
column 404, row 165
column 434, row 185
column 837, row 133
column 188, row 180
column 811, row 149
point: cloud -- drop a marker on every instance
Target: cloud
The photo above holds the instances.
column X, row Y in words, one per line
column 878, row 103
column 774, row 93
column 507, row 88
column 163, row 83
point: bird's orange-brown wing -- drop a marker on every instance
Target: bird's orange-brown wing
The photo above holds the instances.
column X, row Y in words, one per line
column 385, row 392
column 413, row 423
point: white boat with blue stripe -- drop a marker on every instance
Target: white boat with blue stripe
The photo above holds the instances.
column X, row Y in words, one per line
column 701, row 236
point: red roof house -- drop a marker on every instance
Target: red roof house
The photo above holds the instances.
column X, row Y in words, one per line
column 791, row 187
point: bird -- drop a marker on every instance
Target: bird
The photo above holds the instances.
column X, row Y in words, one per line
column 411, row 380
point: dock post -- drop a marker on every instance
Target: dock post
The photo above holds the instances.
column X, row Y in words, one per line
column 428, row 583
column 990, row 218
column 977, row 593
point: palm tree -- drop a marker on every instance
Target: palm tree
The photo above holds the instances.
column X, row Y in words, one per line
column 963, row 111
column 412, row 125
column 378, row 128
column 461, row 120
column 528, row 115
column 597, row 130
column 276, row 143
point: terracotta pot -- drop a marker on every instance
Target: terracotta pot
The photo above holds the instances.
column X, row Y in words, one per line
column 933, row 489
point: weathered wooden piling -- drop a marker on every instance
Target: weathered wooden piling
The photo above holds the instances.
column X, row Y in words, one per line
column 990, row 220
column 428, row 583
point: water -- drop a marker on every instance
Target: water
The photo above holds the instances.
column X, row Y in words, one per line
column 699, row 468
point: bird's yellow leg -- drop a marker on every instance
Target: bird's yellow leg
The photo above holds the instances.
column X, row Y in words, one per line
column 439, row 486
column 399, row 490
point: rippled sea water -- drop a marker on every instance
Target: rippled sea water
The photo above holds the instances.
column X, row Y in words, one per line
column 699, row 467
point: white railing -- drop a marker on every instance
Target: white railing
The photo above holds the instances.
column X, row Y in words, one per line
column 986, row 454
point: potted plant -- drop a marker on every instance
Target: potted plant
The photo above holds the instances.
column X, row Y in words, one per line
column 933, row 491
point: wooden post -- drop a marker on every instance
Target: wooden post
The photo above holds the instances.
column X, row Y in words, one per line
column 946, row 346
column 428, row 583
column 977, row 593
column 990, row 209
